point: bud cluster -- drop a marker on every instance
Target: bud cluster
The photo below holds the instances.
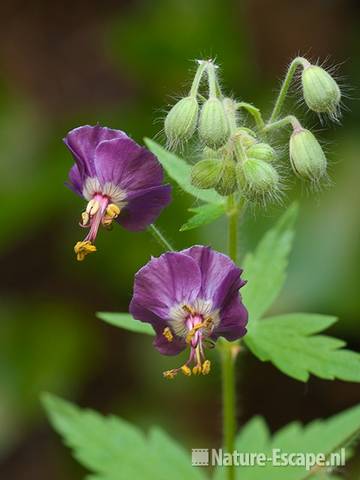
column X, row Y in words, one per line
column 243, row 164
column 236, row 159
column 209, row 118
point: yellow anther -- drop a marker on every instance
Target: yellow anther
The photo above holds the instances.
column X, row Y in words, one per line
column 188, row 309
column 186, row 370
column 208, row 322
column 168, row 334
column 85, row 217
column 92, row 207
column 206, row 367
column 112, row 210
column 82, row 249
column 197, row 370
column 170, row 374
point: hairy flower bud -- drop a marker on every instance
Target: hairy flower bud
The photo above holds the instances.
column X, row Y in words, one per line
column 245, row 136
column 213, row 124
column 321, row 92
column 306, row 155
column 257, row 178
column 262, row 151
column 206, row 173
column 227, row 184
column 180, row 122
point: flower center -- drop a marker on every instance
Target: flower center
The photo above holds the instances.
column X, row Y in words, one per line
column 195, row 325
column 99, row 211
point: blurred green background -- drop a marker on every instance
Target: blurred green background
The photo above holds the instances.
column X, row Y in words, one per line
column 121, row 63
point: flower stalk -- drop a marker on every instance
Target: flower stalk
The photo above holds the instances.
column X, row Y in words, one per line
column 297, row 62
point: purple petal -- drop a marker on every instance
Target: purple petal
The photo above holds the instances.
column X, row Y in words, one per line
column 168, row 348
column 144, row 207
column 123, row 162
column 82, row 143
column 75, row 180
column 164, row 346
column 233, row 320
column 220, row 275
column 169, row 280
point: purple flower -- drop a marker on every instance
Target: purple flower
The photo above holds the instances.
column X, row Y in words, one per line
column 190, row 298
column 120, row 180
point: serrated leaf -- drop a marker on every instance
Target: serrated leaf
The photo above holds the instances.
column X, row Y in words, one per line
column 126, row 321
column 203, row 215
column 113, row 449
column 265, row 269
column 319, row 436
column 288, row 342
column 179, row 170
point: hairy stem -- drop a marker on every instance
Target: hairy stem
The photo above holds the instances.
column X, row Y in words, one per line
column 229, row 400
column 229, row 350
column 214, row 88
column 197, row 79
column 160, row 238
column 283, row 122
column 298, row 61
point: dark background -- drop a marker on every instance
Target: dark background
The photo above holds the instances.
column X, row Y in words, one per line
column 121, row 63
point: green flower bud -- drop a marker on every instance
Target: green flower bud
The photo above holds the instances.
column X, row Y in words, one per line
column 306, row 155
column 257, row 178
column 262, row 151
column 227, row 184
column 245, row 136
column 180, row 122
column 321, row 92
column 206, row 173
column 213, row 124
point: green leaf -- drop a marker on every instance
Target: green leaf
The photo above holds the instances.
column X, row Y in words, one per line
column 113, row 449
column 203, row 215
column 288, row 342
column 320, row 436
column 179, row 170
column 265, row 269
column 126, row 321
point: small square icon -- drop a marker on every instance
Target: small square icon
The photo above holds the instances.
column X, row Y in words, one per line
column 200, row 457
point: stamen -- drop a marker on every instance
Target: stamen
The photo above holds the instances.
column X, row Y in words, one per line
column 188, row 309
column 168, row 334
column 83, row 248
column 112, row 210
column 85, row 218
column 186, row 370
column 92, row 207
column 197, row 370
column 170, row 374
column 206, row 367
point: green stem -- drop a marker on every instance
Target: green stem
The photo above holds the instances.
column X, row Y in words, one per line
column 229, row 400
column 214, row 89
column 160, row 238
column 232, row 212
column 197, row 79
column 255, row 112
column 229, row 350
column 286, row 85
column 283, row 122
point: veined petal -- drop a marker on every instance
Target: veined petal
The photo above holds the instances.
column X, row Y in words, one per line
column 82, row 143
column 233, row 319
column 220, row 276
column 75, row 180
column 125, row 163
column 144, row 206
column 171, row 279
